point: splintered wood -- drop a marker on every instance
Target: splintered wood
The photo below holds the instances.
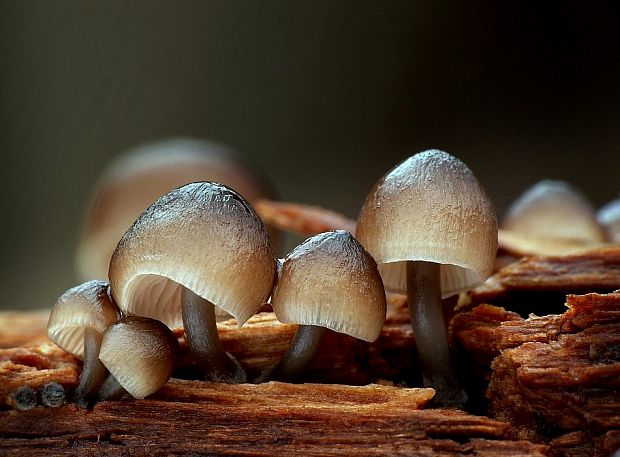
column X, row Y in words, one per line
column 198, row 417
column 558, row 377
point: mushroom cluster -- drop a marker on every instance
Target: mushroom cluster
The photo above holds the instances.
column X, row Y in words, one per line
column 426, row 229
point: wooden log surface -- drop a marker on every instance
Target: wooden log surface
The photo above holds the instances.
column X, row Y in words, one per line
column 558, row 377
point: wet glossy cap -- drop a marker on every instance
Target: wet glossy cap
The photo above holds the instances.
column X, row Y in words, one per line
column 140, row 353
column 204, row 236
column 553, row 209
column 135, row 180
column 430, row 208
column 88, row 305
column 331, row 281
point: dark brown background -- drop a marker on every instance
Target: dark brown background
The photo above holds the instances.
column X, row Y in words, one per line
column 323, row 96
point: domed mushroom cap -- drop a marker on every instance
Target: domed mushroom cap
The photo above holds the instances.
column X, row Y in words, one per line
column 553, row 209
column 135, row 180
column 203, row 236
column 88, row 305
column 430, row 208
column 140, row 353
column 331, row 281
column 609, row 217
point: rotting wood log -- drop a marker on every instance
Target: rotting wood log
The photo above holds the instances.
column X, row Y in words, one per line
column 188, row 417
column 539, row 285
column 557, row 378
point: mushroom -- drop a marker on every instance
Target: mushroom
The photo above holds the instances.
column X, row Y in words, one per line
column 137, row 178
column 76, row 324
column 327, row 282
column 140, row 354
column 52, row 395
column 24, row 398
column 609, row 218
column 550, row 218
column 432, row 229
column 198, row 246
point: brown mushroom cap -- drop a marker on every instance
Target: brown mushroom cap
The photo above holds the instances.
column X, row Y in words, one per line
column 140, row 353
column 85, row 306
column 331, row 281
column 203, row 236
column 553, row 209
column 430, row 208
column 135, row 180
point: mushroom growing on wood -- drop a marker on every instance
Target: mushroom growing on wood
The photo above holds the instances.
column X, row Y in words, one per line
column 432, row 229
column 140, row 354
column 137, row 178
column 198, row 246
column 76, row 324
column 327, row 282
column 550, row 218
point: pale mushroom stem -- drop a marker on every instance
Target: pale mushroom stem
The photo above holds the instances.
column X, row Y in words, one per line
column 427, row 320
column 299, row 354
column 111, row 389
column 204, row 343
column 93, row 371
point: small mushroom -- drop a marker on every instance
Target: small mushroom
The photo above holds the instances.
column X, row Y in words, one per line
column 609, row 218
column 76, row 324
column 140, row 354
column 432, row 229
column 197, row 246
column 550, row 218
column 52, row 395
column 327, row 282
column 24, row 398
column 137, row 178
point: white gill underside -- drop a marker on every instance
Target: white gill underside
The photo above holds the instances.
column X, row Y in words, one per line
column 454, row 279
column 159, row 298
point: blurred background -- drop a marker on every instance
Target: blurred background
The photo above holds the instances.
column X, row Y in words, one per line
column 323, row 97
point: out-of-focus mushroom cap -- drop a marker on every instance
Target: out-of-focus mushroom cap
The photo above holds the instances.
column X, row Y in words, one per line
column 430, row 208
column 140, row 353
column 331, row 281
column 609, row 217
column 138, row 178
column 85, row 306
column 553, row 209
column 203, row 236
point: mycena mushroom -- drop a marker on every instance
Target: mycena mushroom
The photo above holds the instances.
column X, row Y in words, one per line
column 76, row 324
column 609, row 218
column 140, row 354
column 199, row 246
column 137, row 178
column 432, row 229
column 550, row 218
column 327, row 282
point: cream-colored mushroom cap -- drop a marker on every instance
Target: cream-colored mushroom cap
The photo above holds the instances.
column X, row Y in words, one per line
column 140, row 353
column 553, row 209
column 88, row 305
column 136, row 179
column 331, row 281
column 430, row 208
column 203, row 236
column 609, row 217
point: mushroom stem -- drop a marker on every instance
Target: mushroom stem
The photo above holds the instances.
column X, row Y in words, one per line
column 424, row 298
column 204, row 343
column 299, row 354
column 93, row 371
column 111, row 389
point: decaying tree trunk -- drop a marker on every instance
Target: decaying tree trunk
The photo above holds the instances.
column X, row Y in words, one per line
column 558, row 377
column 197, row 417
